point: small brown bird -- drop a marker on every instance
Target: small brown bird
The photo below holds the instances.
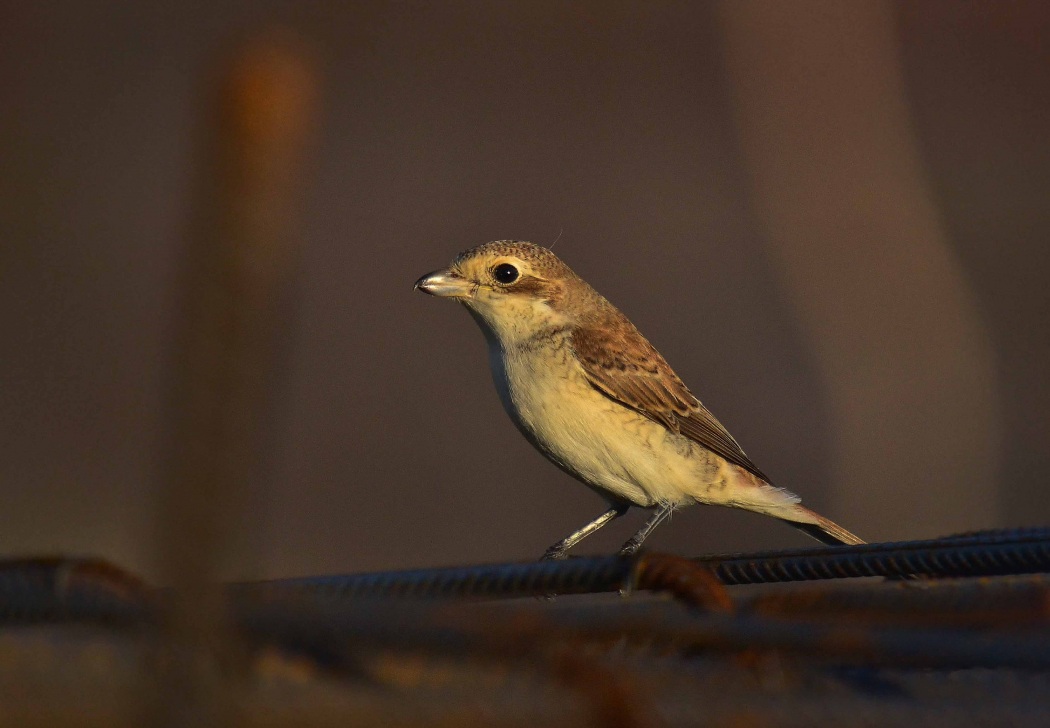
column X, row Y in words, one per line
column 594, row 396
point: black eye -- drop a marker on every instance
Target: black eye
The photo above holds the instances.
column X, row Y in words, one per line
column 505, row 273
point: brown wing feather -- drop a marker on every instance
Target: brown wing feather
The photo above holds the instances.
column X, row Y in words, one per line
column 624, row 366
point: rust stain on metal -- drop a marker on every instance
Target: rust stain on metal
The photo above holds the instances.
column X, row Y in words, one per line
column 970, row 604
column 613, row 696
column 685, row 579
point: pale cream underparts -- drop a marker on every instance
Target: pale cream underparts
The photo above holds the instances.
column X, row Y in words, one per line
column 618, row 452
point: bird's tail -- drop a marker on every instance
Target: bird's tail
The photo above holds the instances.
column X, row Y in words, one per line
column 785, row 506
column 816, row 526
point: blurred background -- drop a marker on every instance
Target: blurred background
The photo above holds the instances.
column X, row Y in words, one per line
column 830, row 217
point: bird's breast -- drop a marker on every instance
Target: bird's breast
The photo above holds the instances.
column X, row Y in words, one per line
column 534, row 383
column 549, row 397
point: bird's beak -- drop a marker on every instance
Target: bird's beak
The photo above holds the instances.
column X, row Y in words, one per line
column 446, row 284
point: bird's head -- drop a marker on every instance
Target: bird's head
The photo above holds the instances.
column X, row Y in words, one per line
column 514, row 289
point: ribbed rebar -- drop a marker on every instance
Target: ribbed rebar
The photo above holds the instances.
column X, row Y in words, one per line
column 572, row 576
column 69, row 590
column 84, row 589
column 1003, row 552
column 995, row 553
column 1007, row 603
column 336, row 633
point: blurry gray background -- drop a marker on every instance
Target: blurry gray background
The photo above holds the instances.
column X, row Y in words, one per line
column 832, row 222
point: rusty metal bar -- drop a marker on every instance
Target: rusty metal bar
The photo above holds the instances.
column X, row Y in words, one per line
column 239, row 255
column 337, row 633
column 687, row 580
column 540, row 578
column 996, row 553
column 70, row 590
column 1001, row 552
column 1008, row 603
column 1019, row 551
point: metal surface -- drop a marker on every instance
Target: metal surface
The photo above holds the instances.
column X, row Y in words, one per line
column 1018, row 551
column 991, row 553
column 645, row 641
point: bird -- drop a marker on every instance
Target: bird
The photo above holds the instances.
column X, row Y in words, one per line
column 588, row 390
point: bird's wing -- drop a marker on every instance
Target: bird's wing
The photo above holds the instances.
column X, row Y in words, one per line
column 624, row 366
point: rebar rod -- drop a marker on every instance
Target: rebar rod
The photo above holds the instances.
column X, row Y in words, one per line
column 337, row 633
column 33, row 589
column 999, row 553
column 1020, row 551
column 70, row 590
column 1007, row 603
column 587, row 575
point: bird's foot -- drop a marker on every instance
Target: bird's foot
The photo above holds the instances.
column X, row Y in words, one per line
column 554, row 554
column 630, row 548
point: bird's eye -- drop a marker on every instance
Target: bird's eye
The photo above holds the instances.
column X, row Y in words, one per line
column 505, row 273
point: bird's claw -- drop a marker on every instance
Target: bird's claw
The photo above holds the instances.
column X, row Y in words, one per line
column 630, row 548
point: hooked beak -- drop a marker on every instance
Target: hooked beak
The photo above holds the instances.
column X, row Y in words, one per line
column 446, row 284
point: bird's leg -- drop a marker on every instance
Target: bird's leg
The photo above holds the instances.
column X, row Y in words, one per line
column 662, row 512
column 557, row 551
